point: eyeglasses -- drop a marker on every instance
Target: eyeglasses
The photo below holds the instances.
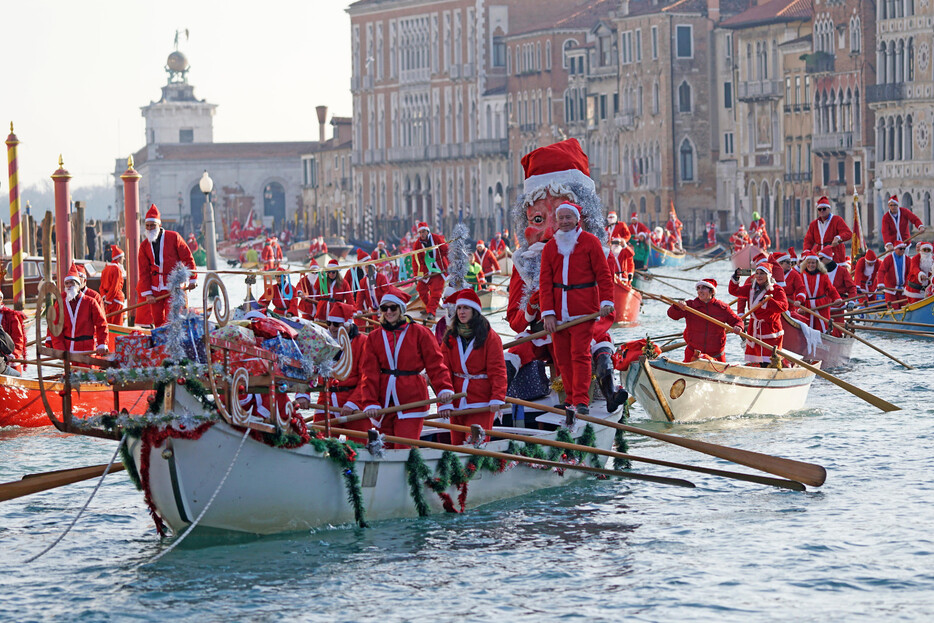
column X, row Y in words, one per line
column 387, row 308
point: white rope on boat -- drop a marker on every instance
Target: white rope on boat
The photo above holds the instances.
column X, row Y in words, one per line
column 83, row 508
column 246, row 433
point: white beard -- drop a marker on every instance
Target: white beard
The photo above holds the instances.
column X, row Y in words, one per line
column 567, row 240
column 71, row 293
column 926, row 262
column 151, row 235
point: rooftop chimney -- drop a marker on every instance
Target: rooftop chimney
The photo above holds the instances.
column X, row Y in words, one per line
column 713, row 10
column 322, row 115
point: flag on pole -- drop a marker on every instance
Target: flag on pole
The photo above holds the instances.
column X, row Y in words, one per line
column 857, row 242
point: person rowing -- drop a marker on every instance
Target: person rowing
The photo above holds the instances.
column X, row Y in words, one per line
column 766, row 301
column 705, row 340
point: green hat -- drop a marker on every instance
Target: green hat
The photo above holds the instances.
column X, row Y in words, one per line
column 755, row 216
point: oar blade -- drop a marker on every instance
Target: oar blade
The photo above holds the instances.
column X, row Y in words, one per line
column 35, row 483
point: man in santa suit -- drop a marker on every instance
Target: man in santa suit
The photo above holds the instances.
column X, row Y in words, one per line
column 13, row 323
column 768, row 301
column 269, row 255
column 85, row 328
column 305, row 306
column 758, row 232
column 740, row 240
column 112, row 286
column 334, row 290
column 674, row 228
column 380, row 251
column 616, row 228
column 919, row 273
column 624, row 259
column 711, row 231
column 372, row 287
column 277, row 252
column 498, row 246
column 489, row 265
column 159, row 253
column 897, row 222
column 705, row 339
column 638, row 228
column 430, row 266
column 839, row 275
column 574, row 281
column 827, row 230
column 94, row 294
column 893, row 274
column 818, row 291
column 397, row 358
column 866, row 274
column 192, row 242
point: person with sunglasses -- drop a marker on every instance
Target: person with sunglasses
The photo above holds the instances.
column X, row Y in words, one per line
column 473, row 352
column 828, row 230
column 397, row 358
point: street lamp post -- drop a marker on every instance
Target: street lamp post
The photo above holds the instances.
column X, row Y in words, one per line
column 880, row 207
column 210, row 238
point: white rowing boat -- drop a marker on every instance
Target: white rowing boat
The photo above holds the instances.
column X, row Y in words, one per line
column 811, row 344
column 704, row 390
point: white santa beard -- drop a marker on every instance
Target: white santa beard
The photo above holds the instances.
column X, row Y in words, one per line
column 152, row 234
column 926, row 262
column 567, row 240
column 71, row 293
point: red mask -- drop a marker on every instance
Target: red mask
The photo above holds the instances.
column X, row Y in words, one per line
column 542, row 222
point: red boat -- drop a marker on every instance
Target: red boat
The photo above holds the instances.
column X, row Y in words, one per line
column 22, row 403
column 627, row 302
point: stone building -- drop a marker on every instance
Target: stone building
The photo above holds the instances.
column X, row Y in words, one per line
column 327, row 181
column 903, row 102
column 797, row 129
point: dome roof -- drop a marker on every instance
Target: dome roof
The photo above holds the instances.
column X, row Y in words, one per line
column 177, row 61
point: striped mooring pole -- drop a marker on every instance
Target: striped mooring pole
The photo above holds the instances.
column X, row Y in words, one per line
column 18, row 284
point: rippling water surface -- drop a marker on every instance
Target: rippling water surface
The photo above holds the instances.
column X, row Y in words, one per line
column 860, row 547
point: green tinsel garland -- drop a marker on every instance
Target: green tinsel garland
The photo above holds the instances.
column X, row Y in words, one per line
column 130, row 466
column 344, row 454
column 450, row 472
column 620, row 442
column 417, row 472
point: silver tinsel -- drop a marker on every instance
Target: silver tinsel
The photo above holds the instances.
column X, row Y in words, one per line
column 177, row 319
column 459, row 257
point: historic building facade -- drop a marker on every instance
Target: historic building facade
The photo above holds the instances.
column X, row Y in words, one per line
column 797, row 127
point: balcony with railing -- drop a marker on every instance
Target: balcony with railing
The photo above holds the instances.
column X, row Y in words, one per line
column 835, row 143
column 891, row 92
column 625, row 119
column 819, row 62
column 491, row 147
column 760, row 90
column 801, row 176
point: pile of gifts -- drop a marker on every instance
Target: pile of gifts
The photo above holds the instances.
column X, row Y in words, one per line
column 138, row 350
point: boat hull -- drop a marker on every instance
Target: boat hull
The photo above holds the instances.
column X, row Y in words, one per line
column 274, row 490
column 22, row 403
column 702, row 390
column 662, row 257
column 832, row 351
column 493, row 300
column 742, row 259
column 627, row 303
column 921, row 312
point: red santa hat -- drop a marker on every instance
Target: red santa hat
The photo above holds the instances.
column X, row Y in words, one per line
column 793, row 254
column 333, row 263
column 870, row 257
column 115, row 252
column 618, row 240
column 394, row 296
column 823, row 202
column 466, row 297
column 362, row 255
column 339, row 312
column 758, row 258
column 925, row 246
column 576, row 209
column 784, row 257
column 559, row 163
column 73, row 274
column 902, row 243
column 707, row 283
column 826, row 252
column 807, row 255
column 152, row 215
column 894, row 199
column 634, row 217
column 612, row 216
column 742, row 228
column 381, row 243
column 423, row 227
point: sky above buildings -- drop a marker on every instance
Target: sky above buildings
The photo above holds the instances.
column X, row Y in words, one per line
column 75, row 74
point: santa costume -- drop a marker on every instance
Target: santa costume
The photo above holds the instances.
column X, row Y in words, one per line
column 157, row 259
column 85, row 328
column 897, row 227
column 765, row 321
column 919, row 273
column 825, row 230
column 817, row 291
column 430, row 266
column 893, row 275
column 477, row 369
column 839, row 275
column 866, row 273
column 112, row 287
column 616, row 228
column 485, row 257
column 705, row 339
column 636, row 227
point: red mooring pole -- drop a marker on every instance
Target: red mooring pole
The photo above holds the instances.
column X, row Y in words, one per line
column 63, row 253
column 131, row 219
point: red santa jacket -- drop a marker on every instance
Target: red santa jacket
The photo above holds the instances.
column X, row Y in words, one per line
column 337, row 291
column 821, row 233
column 896, row 228
column 793, row 284
column 817, row 291
column 620, row 230
column 478, row 370
column 395, row 365
column 521, row 318
column 866, row 280
column 627, row 265
column 154, row 271
column 918, row 279
column 498, row 247
column 85, row 327
column 112, row 284
column 440, row 255
column 575, row 284
column 637, row 227
column 702, row 335
column 766, row 321
column 269, row 257
column 339, row 391
column 893, row 276
column 842, row 282
column 488, row 262
column 94, row 294
column 370, row 292
column 12, row 322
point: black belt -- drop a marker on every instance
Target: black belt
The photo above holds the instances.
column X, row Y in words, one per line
column 341, row 388
column 80, row 338
column 576, row 286
column 396, row 372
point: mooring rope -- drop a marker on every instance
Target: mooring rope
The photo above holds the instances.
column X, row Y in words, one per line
column 83, row 508
column 246, row 433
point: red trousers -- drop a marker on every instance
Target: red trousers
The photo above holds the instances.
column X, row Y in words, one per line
column 160, row 312
column 891, row 298
column 110, row 308
column 690, row 354
column 572, row 354
column 430, row 292
column 483, row 419
column 410, row 428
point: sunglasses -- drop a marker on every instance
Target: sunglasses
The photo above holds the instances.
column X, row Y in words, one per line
column 387, row 308
column 822, row 209
column 331, row 323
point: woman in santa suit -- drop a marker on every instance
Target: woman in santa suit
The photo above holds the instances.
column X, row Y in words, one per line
column 474, row 355
column 397, row 357
column 765, row 322
column 817, row 291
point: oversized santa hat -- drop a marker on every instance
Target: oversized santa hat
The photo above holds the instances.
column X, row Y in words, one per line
column 394, row 296
column 115, row 252
column 870, row 257
column 572, row 207
column 823, row 202
column 894, row 199
column 707, row 283
column 925, row 247
column 73, row 274
column 556, row 164
column 423, row 227
column 152, row 215
column 466, row 297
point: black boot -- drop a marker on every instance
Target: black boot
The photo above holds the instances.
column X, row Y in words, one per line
column 614, row 397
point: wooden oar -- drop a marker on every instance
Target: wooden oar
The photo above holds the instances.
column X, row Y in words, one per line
column 855, row 337
column 908, row 239
column 903, row 323
column 896, row 331
column 543, row 333
column 650, row 276
column 872, row 309
column 359, row 415
column 764, row 480
column 670, row 285
column 808, row 473
column 710, row 261
column 659, row 395
column 764, row 300
column 34, row 483
column 859, row 393
column 138, row 305
column 503, row 456
column 831, row 304
column 675, row 346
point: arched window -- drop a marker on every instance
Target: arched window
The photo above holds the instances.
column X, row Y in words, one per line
column 274, row 202
column 686, row 160
column 684, row 97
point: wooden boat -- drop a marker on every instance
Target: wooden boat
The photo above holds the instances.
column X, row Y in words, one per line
column 830, row 350
column 627, row 303
column 493, row 300
column 505, row 266
column 663, row 257
column 717, row 250
column 259, row 498
column 33, row 272
column 742, row 259
column 704, row 390
column 22, row 401
column 921, row 312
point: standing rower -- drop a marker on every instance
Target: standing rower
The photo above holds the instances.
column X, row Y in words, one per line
column 704, row 338
column 159, row 253
column 430, row 266
column 112, row 286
